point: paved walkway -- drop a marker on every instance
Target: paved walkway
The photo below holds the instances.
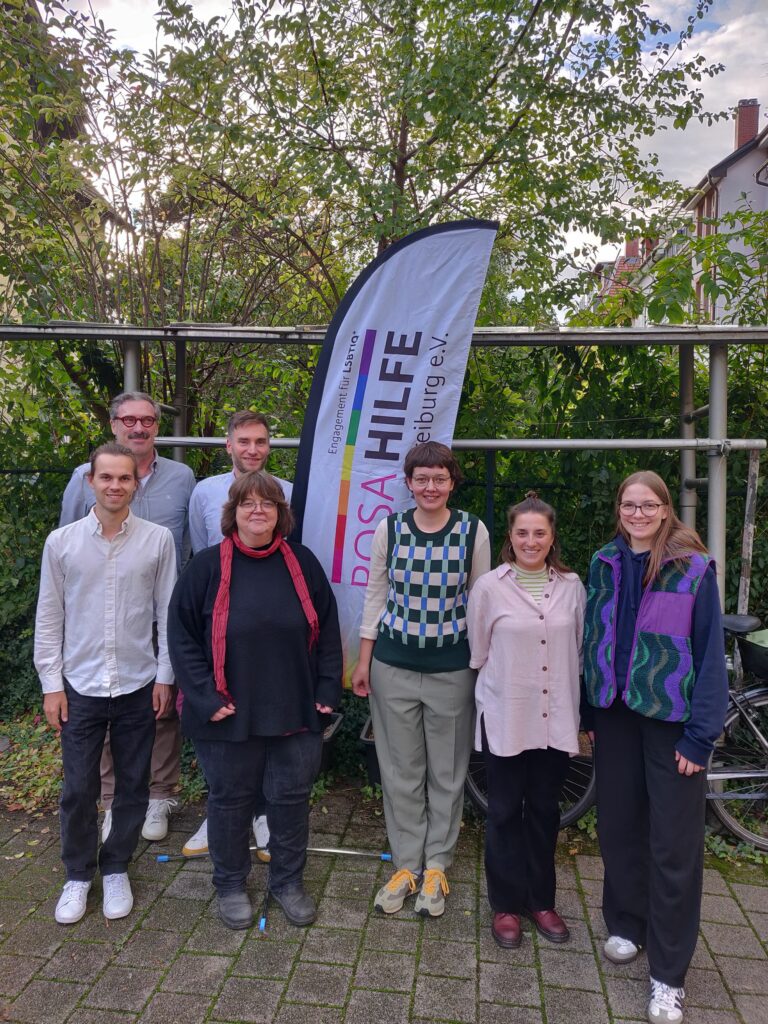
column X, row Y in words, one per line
column 172, row 962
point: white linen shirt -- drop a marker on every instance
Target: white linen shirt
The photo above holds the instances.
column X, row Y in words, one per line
column 98, row 600
column 529, row 659
column 205, row 507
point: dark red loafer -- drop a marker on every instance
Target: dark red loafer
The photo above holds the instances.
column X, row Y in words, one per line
column 506, row 930
column 549, row 924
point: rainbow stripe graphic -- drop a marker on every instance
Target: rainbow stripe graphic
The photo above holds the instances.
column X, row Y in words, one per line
column 349, row 452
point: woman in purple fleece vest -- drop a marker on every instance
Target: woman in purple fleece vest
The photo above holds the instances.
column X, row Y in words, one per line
column 656, row 692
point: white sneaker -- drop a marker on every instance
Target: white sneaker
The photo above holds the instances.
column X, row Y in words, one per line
column 620, row 951
column 106, row 826
column 666, row 1003
column 261, row 835
column 71, row 905
column 118, row 898
column 156, row 821
column 198, row 843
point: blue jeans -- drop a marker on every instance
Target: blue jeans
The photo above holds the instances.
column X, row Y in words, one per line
column 287, row 766
column 131, row 722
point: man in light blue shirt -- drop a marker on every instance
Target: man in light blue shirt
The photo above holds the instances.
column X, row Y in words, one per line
column 162, row 497
column 165, row 486
column 248, row 447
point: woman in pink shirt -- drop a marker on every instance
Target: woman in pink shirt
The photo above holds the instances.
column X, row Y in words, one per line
column 525, row 621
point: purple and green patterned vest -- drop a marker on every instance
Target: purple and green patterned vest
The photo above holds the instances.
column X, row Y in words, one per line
column 661, row 676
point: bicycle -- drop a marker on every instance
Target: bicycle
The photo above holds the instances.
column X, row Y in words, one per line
column 578, row 790
column 737, row 776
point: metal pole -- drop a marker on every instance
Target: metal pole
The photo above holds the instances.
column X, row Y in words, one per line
column 688, row 495
column 180, row 399
column 131, row 365
column 490, row 483
column 716, row 461
column 569, row 444
column 747, row 543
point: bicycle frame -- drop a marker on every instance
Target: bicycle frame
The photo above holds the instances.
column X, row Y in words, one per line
column 741, row 701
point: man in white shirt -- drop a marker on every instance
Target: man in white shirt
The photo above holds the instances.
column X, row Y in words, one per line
column 104, row 579
column 248, row 447
column 162, row 497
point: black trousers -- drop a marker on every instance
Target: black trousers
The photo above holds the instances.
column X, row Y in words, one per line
column 131, row 722
column 650, row 822
column 287, row 767
column 521, row 828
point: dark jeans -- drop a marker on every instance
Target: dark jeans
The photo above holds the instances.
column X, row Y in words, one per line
column 521, row 827
column 287, row 767
column 650, row 823
column 131, row 722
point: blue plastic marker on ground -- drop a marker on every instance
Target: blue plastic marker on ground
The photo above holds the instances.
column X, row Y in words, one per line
column 264, row 908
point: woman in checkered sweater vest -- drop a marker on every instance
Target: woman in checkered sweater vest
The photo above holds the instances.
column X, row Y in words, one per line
column 414, row 665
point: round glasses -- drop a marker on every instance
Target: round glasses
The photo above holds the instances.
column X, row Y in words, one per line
column 646, row 508
column 131, row 421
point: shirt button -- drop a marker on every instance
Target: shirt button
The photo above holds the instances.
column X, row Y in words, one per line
column 545, row 691
column 546, row 595
column 541, row 616
column 544, row 715
column 543, row 641
column 543, row 668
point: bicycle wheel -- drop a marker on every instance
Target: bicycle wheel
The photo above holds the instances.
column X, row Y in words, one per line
column 737, row 779
column 578, row 790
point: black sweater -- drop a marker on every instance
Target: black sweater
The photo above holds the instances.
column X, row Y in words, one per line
column 273, row 678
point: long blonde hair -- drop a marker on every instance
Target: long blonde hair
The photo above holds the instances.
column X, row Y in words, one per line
column 673, row 540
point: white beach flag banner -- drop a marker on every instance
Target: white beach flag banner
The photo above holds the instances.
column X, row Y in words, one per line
column 389, row 376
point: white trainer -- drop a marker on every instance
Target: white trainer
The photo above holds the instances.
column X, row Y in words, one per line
column 619, row 950
column 198, row 843
column 156, row 820
column 106, row 825
column 261, row 835
column 118, row 898
column 666, row 1003
column 71, row 905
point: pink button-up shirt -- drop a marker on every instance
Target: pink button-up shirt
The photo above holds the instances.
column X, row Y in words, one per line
column 529, row 659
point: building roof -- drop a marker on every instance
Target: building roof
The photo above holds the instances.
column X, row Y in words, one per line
column 720, row 170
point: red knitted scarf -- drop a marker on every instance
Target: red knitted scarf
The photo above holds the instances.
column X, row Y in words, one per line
column 221, row 604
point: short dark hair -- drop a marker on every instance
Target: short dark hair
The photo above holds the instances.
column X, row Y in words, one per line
column 260, row 485
column 432, row 455
column 239, row 419
column 113, row 448
column 132, row 396
column 533, row 503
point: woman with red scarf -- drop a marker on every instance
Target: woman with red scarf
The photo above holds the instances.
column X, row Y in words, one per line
column 255, row 646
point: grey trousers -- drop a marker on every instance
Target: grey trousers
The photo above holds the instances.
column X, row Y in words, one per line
column 423, row 725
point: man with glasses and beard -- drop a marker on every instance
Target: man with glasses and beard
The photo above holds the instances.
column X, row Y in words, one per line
column 162, row 497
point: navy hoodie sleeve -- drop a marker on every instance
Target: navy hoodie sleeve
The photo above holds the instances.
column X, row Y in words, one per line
column 709, row 700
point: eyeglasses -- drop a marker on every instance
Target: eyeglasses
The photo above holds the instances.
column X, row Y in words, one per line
column 425, row 481
column 131, row 421
column 647, row 508
column 262, row 506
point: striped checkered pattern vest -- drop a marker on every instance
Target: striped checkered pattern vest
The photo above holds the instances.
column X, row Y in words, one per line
column 661, row 676
column 428, row 582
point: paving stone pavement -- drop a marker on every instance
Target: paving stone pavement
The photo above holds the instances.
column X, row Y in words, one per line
column 172, row 962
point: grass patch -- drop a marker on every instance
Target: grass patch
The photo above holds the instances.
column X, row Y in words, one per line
column 30, row 770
